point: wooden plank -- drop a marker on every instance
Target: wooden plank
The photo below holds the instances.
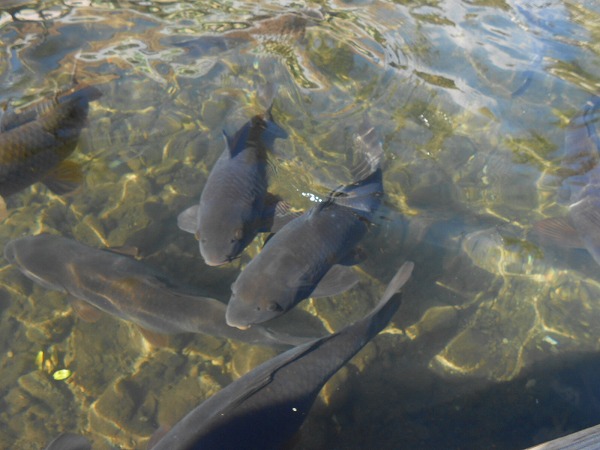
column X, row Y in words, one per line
column 588, row 439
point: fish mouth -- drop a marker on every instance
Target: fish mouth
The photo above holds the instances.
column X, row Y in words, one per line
column 215, row 263
column 220, row 262
column 235, row 324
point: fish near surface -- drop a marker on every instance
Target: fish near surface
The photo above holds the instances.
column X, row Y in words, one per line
column 303, row 258
column 35, row 142
column 124, row 287
column 581, row 227
column 234, row 204
column 264, row 408
column 69, row 441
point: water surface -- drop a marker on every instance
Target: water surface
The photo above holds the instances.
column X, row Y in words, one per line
column 495, row 345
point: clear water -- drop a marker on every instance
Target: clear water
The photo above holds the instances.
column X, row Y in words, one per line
column 495, row 345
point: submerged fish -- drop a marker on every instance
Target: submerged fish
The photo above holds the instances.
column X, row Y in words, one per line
column 264, row 408
column 126, row 288
column 34, row 142
column 284, row 28
column 301, row 259
column 69, row 441
column 234, row 204
column 581, row 227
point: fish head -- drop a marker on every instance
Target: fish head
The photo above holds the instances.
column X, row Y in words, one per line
column 256, row 300
column 224, row 235
column 36, row 257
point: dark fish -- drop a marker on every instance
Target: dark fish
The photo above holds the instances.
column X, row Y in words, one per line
column 69, row 441
column 301, row 259
column 581, row 227
column 126, row 288
column 234, row 204
column 34, row 142
column 264, row 408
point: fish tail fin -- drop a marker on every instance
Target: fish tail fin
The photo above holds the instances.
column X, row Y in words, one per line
column 379, row 318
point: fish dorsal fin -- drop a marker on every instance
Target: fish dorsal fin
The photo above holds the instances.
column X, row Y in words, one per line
column 558, row 231
column 232, row 142
column 328, row 202
column 367, row 151
column 85, row 311
column 337, row 280
column 64, row 178
column 187, row 220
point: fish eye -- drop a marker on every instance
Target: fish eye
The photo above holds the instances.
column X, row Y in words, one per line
column 237, row 236
column 273, row 307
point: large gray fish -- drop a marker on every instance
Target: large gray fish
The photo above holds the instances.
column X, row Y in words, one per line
column 234, row 204
column 302, row 259
column 581, row 191
column 264, row 408
column 35, row 141
column 126, row 288
column 69, row 441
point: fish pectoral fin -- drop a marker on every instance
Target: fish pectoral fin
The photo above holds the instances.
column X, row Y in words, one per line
column 355, row 256
column 85, row 311
column 188, row 219
column 64, row 178
column 284, row 338
column 126, row 250
column 154, row 338
column 337, row 280
column 276, row 214
column 557, row 231
column 585, row 216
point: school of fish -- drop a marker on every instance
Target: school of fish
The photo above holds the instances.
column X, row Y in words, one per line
column 235, row 205
column 309, row 254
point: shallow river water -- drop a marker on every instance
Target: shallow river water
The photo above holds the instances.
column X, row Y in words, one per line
column 497, row 339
